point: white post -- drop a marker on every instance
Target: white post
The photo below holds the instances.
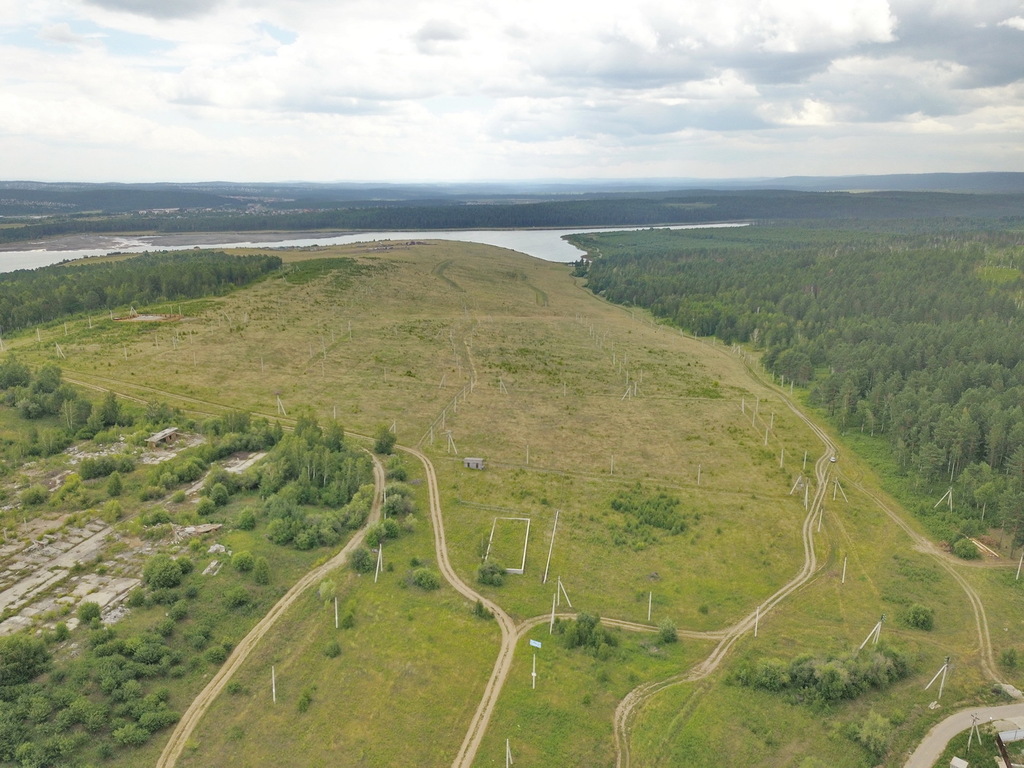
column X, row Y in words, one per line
column 273, row 684
column 698, row 474
column 844, row 568
column 335, row 612
column 534, row 673
column 551, row 547
column 782, row 457
column 1019, row 565
column 380, row 555
column 805, row 461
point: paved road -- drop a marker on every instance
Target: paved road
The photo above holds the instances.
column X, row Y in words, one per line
column 935, row 742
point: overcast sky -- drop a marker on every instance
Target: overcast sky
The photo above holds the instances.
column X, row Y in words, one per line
column 399, row 90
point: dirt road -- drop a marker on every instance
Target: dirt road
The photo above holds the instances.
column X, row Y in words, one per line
column 478, row 725
column 635, row 699
column 202, row 702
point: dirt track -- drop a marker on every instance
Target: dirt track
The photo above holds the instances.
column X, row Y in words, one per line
column 202, row 702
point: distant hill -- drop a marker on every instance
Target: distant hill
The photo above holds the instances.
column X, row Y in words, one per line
column 30, row 198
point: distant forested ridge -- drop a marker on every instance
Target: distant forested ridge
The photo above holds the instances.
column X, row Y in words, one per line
column 918, row 337
column 585, row 210
column 40, row 295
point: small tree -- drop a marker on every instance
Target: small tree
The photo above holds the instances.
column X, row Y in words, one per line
column 384, row 441
column 219, row 494
column 161, row 572
column 361, row 560
column 667, row 632
column 114, row 484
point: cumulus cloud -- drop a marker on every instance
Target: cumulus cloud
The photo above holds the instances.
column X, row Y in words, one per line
column 159, row 9
column 559, row 84
column 432, row 36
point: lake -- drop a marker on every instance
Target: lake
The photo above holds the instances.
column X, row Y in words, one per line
column 544, row 244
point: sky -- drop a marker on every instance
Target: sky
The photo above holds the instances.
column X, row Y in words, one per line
column 457, row 90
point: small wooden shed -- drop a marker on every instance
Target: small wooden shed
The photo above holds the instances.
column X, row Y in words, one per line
column 163, row 437
column 471, row 463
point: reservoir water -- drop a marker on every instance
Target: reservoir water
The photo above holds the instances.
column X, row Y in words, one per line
column 544, row 244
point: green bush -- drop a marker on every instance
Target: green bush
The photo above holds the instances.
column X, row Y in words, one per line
column 874, row 733
column 238, row 597
column 920, row 617
column 161, row 572
column 332, row 650
column 362, row 560
column 261, row 570
column 247, row 519
column 965, row 549
column 219, row 494
column 425, row 578
column 667, row 632
column 491, row 574
column 115, row 484
column 130, row 735
column 34, row 495
column 87, row 611
column 178, row 611
column 243, row 561
column 384, row 440
column 216, row 654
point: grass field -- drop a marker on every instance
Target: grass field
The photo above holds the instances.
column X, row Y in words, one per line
column 575, row 404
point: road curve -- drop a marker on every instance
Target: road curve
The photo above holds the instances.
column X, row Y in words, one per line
column 478, row 725
column 938, row 737
column 183, row 730
column 636, row 698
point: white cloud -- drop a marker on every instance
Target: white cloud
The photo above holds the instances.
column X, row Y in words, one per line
column 320, row 89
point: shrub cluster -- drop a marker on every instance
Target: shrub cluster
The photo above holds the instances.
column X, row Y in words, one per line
column 829, row 679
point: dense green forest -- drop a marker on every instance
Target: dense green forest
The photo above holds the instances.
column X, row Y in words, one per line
column 31, row 296
column 914, row 337
column 698, row 206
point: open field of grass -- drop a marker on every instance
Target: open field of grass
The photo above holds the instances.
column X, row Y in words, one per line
column 576, row 405
column 567, row 718
column 373, row 699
